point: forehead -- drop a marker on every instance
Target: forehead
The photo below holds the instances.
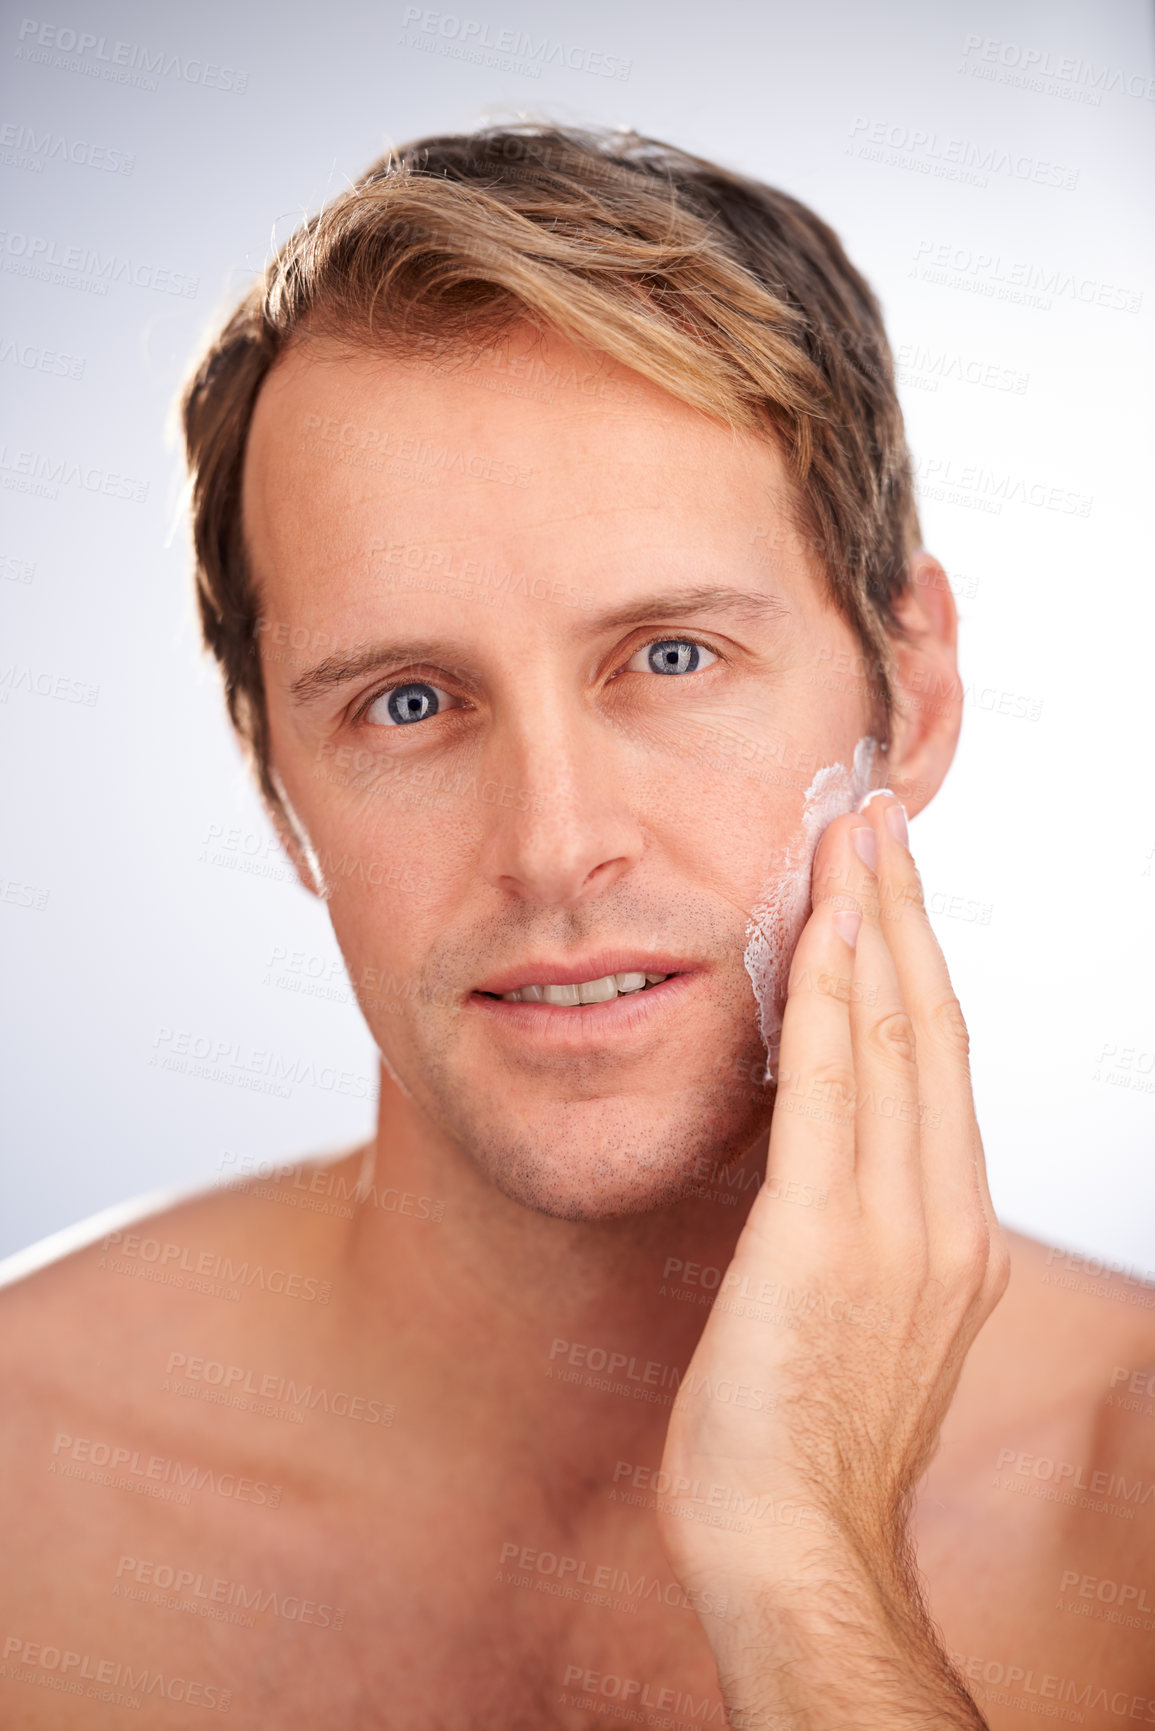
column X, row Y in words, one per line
column 537, row 455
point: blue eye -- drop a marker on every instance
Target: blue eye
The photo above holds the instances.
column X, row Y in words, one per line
column 672, row 655
column 416, row 701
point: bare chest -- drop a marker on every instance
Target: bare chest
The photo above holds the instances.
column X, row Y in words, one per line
column 346, row 1615
column 390, row 1606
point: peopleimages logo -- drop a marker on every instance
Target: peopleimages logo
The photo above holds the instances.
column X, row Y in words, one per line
column 42, row 473
column 1035, row 68
column 24, row 147
column 35, row 359
column 475, row 39
column 131, row 63
column 252, row 1390
column 84, row 267
column 230, row 1060
column 1019, row 281
column 169, row 1263
column 43, row 683
column 929, row 152
column 135, row 1472
column 117, row 1682
column 152, row 1582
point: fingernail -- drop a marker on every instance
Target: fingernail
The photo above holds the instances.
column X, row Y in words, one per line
column 875, row 793
column 846, row 924
column 896, row 823
column 865, row 845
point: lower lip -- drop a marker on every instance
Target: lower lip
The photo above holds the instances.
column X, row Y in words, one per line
column 627, row 1013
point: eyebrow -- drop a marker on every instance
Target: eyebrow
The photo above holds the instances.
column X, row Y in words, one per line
column 342, row 669
column 752, row 606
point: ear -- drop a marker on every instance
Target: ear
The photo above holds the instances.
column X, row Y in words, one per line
column 927, row 688
column 291, row 834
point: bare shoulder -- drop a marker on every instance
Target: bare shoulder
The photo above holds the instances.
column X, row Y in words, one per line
column 80, row 1308
column 1091, row 1324
column 1036, row 1523
column 140, row 1480
column 1061, row 1374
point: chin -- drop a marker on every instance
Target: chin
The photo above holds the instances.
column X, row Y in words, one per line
column 605, row 1160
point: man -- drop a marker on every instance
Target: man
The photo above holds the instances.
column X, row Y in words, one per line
column 555, row 535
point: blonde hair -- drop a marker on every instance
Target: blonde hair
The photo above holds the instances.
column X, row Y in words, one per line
column 730, row 295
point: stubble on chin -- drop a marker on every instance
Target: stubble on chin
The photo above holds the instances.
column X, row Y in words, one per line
column 613, row 1156
column 596, row 1138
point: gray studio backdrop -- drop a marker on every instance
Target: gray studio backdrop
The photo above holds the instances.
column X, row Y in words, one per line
column 990, row 169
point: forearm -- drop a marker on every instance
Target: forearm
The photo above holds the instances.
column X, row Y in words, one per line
column 826, row 1628
column 849, row 1655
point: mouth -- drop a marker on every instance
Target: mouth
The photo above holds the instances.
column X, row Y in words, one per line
column 571, row 994
column 614, row 991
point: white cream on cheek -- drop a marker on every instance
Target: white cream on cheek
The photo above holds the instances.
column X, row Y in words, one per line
column 783, row 905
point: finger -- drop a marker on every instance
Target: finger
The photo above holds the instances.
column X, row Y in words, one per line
column 888, row 1153
column 839, row 869
column 812, row 1131
column 952, row 1155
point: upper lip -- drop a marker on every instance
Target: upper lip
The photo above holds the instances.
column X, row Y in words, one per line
column 575, row 970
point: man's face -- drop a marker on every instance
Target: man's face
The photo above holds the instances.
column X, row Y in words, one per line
column 547, row 668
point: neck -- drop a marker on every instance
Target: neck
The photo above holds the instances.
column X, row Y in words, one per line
column 522, row 1325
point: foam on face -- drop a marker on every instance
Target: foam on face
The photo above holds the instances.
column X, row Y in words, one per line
column 782, row 909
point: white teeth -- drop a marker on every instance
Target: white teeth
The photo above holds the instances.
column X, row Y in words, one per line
column 630, row 982
column 564, row 996
column 598, row 991
column 584, row 991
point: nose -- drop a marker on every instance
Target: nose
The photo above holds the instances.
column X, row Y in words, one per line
column 561, row 830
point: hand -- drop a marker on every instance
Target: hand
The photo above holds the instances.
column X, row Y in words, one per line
column 846, row 1323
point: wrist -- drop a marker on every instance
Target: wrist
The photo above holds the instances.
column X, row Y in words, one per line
column 793, row 1655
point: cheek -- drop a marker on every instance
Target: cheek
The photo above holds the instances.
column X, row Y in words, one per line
column 783, row 905
column 385, row 925
column 709, row 832
column 389, row 812
column 395, row 849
